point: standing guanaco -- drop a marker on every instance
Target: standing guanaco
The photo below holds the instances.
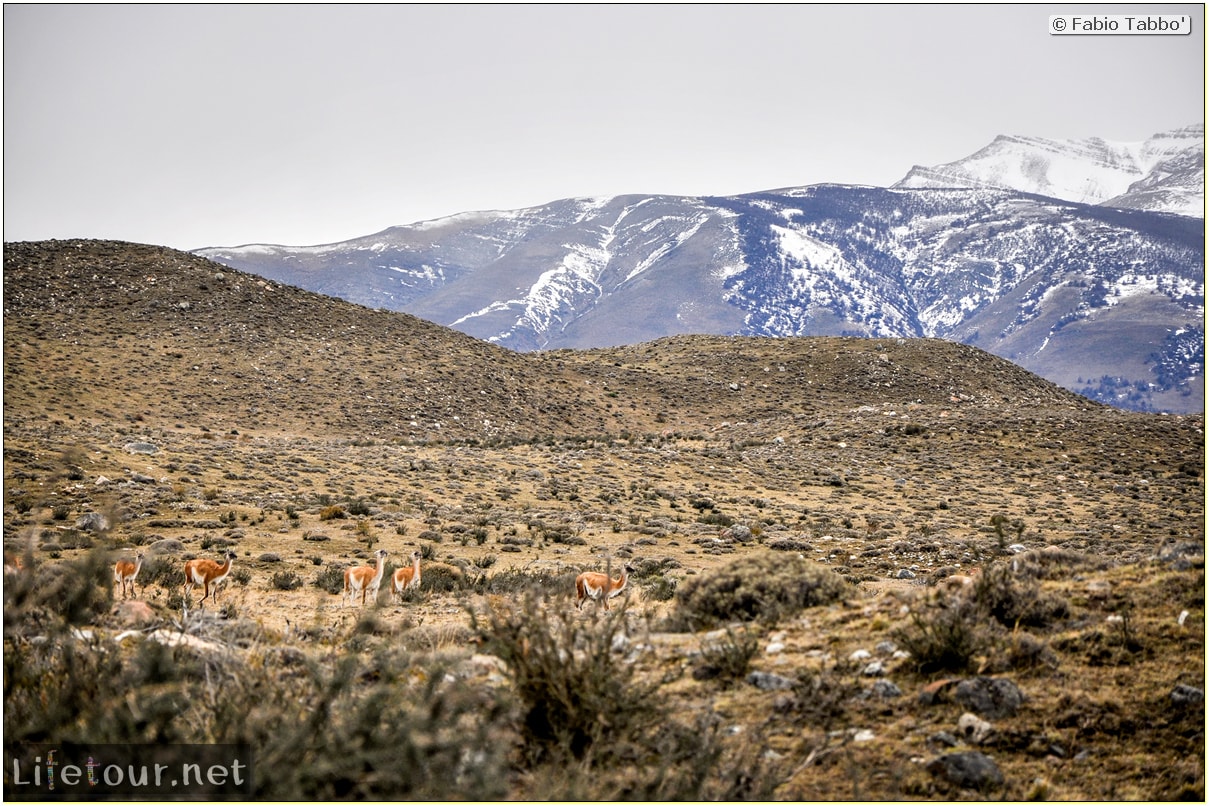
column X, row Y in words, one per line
column 364, row 579
column 207, row 572
column 125, row 571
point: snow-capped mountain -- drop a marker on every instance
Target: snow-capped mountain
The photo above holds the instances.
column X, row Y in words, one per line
column 1165, row 172
column 1105, row 301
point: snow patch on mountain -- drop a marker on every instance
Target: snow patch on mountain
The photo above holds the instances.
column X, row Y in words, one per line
column 1164, row 172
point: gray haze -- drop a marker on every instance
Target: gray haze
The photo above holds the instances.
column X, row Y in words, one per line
column 192, row 126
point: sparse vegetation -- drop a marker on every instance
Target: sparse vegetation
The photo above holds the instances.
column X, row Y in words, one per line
column 784, row 655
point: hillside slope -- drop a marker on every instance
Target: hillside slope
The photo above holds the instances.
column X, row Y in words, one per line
column 98, row 331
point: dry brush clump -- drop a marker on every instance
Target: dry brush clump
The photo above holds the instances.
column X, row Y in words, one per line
column 583, row 704
column 984, row 623
column 764, row 587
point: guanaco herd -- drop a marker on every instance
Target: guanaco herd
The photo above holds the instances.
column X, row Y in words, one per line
column 362, row 581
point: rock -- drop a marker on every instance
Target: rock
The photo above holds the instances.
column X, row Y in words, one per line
column 133, row 613
column 874, row 669
column 140, row 447
column 973, row 730
column 886, row 690
column 1183, row 695
column 92, row 522
column 995, row 697
column 943, row 738
column 969, row 770
column 769, row 682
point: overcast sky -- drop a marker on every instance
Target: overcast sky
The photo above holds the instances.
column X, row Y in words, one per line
column 221, row 125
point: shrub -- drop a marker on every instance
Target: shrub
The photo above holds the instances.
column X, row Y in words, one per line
column 441, row 742
column 761, row 587
column 1013, row 600
column 168, row 572
column 575, row 697
column 331, row 513
column 286, row 581
column 330, row 579
column 944, row 638
column 581, row 706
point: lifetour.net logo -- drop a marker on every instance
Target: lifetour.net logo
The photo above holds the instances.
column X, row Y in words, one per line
column 106, row 771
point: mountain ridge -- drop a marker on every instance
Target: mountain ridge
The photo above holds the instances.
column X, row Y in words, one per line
column 1164, row 173
column 1016, row 273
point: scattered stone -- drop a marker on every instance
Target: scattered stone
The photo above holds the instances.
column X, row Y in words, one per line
column 874, row 669
column 905, row 573
column 995, row 697
column 973, row 730
column 886, row 690
column 944, row 739
column 769, row 682
column 968, row 770
column 92, row 522
column 1183, row 695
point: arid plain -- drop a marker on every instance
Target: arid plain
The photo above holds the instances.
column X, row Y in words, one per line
column 155, row 402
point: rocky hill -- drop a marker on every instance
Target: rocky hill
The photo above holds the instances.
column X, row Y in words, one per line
column 102, row 330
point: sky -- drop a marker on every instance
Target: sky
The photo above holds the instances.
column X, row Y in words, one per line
column 192, row 126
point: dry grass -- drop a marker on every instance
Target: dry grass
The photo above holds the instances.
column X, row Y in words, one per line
column 891, row 465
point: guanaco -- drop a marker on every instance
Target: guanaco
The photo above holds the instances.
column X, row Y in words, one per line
column 406, row 577
column 207, row 572
column 364, row 579
column 125, row 572
column 597, row 586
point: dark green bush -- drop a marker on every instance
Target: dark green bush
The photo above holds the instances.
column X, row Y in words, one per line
column 762, row 587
